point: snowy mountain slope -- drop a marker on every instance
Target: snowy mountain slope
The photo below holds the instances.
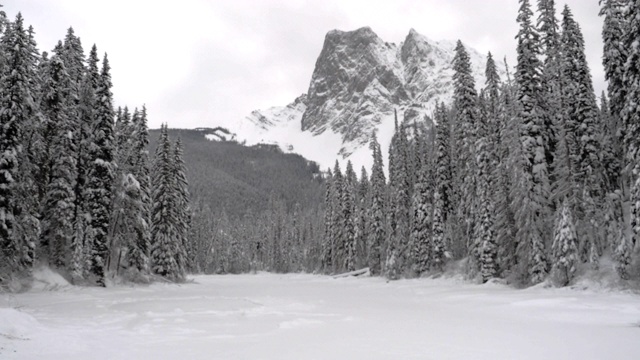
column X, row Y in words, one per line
column 358, row 82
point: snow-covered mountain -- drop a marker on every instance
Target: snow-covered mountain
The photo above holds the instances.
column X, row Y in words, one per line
column 357, row 83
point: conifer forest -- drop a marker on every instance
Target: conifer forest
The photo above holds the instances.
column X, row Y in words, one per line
column 532, row 178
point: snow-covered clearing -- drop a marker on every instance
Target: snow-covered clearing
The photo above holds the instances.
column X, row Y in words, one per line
column 268, row 316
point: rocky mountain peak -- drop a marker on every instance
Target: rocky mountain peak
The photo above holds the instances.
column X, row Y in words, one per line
column 358, row 82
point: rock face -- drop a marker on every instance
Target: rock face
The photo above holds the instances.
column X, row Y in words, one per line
column 359, row 80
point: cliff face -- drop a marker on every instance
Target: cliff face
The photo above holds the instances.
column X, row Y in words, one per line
column 357, row 83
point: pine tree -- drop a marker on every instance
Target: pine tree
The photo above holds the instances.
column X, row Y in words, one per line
column 565, row 252
column 337, row 240
column 465, row 104
column 377, row 234
column 509, row 154
column 165, row 234
column 183, row 208
column 551, row 72
column 533, row 182
column 422, row 210
column 84, row 137
column 348, row 218
column 101, row 176
column 362, row 218
column 614, row 59
column 58, row 209
column 327, row 243
column 442, row 197
column 139, row 248
column 17, row 90
column 400, row 204
column 485, row 242
column 631, row 124
column 583, row 125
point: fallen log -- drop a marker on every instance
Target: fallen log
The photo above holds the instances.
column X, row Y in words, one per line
column 361, row 272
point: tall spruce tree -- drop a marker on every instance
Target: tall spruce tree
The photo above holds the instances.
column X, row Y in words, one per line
column 442, row 197
column 533, row 178
column 377, row 234
column 485, row 242
column 17, row 91
column 631, row 124
column 422, row 211
column 327, row 241
column 338, row 234
column 465, row 185
column 101, row 176
column 183, row 208
column 58, row 209
column 583, row 125
column 400, row 203
column 138, row 252
column 165, row 235
column 362, row 218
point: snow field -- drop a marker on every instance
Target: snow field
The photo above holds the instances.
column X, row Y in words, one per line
column 268, row 316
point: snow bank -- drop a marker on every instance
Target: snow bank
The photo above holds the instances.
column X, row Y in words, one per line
column 16, row 325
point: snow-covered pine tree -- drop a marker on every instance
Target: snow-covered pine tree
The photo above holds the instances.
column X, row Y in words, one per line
column 377, row 234
column 614, row 59
column 17, row 90
column 183, row 208
column 422, row 210
column 533, row 181
column 327, row 241
column 464, row 184
column 631, row 124
column 58, row 206
column 564, row 248
column 165, row 236
column 485, row 242
column 442, row 207
column 550, row 76
column 338, row 224
column 101, row 175
column 582, row 113
column 362, row 218
column 84, row 138
column 509, row 153
column 399, row 210
column 138, row 252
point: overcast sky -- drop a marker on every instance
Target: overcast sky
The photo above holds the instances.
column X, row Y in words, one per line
column 208, row 62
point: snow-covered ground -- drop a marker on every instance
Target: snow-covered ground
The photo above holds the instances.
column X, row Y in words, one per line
column 269, row 316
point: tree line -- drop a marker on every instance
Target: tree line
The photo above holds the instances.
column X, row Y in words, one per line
column 78, row 191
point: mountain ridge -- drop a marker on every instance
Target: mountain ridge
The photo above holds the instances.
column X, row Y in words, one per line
column 358, row 82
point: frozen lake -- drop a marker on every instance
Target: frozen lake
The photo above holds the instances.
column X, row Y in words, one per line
column 268, row 316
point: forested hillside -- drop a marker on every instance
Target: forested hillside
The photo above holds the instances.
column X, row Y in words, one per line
column 234, row 178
